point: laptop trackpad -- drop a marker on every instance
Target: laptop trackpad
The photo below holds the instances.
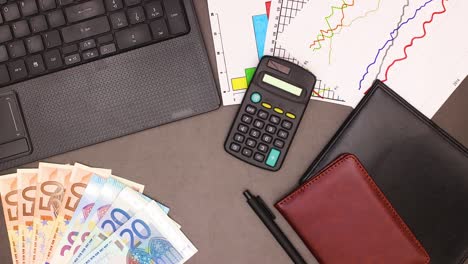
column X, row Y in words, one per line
column 13, row 136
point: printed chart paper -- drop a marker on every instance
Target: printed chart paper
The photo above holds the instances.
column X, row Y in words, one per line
column 415, row 47
column 282, row 14
column 239, row 30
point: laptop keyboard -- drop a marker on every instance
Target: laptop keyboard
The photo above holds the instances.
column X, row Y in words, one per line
column 38, row 37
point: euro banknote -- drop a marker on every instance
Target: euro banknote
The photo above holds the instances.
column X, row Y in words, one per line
column 27, row 181
column 9, row 193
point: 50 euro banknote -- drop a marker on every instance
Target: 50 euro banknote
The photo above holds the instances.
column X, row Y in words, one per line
column 27, row 181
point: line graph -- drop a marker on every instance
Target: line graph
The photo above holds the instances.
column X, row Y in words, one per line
column 392, row 38
column 321, row 36
column 415, row 38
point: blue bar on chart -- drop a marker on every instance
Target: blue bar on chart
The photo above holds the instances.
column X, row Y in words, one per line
column 260, row 24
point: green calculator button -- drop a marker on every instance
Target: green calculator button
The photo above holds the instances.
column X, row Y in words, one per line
column 255, row 98
column 273, row 157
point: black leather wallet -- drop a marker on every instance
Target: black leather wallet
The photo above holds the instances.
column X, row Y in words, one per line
column 421, row 169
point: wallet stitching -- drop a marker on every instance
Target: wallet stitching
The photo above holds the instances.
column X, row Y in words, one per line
column 380, row 195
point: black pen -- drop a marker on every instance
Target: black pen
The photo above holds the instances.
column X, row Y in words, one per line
column 268, row 218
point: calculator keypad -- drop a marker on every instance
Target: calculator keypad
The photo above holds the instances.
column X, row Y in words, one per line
column 262, row 133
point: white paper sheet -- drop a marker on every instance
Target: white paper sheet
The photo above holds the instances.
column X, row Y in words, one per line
column 351, row 43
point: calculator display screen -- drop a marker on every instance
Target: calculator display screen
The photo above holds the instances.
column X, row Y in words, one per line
column 280, row 84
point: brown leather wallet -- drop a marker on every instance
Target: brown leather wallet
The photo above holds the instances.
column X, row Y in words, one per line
column 343, row 217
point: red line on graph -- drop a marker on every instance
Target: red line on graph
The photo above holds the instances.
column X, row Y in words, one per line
column 413, row 39
column 321, row 97
column 267, row 7
column 322, row 32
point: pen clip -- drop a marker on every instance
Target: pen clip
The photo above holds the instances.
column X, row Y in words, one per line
column 265, row 207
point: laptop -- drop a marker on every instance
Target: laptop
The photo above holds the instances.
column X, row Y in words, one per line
column 76, row 73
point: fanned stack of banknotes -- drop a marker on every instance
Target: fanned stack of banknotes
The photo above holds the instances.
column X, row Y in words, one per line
column 78, row 214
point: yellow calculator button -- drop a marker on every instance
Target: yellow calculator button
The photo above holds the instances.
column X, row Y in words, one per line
column 292, row 116
column 278, row 110
column 268, row 106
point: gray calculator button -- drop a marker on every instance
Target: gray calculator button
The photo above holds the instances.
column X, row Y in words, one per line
column 258, row 124
column 274, row 119
column 282, row 134
column 243, row 128
column 239, row 138
column 235, row 147
column 267, row 138
column 255, row 133
column 270, row 129
column 247, row 152
column 262, row 148
column 250, row 109
column 259, row 157
column 278, row 143
column 286, row 124
column 251, row 143
column 246, row 119
column 262, row 114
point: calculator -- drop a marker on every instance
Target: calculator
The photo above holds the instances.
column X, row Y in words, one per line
column 270, row 113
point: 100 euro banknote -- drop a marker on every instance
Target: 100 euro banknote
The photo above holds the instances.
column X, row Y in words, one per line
column 148, row 237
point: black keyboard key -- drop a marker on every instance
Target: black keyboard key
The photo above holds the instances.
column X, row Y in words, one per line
column 38, row 24
column 136, row 15
column 46, row 4
column 84, row 10
column 255, row 133
column 34, row 44
column 107, row 49
column 132, row 2
column 262, row 114
column 3, row 53
column 239, row 138
column 53, row 59
column 5, row 34
column 118, row 20
column 278, row 143
column 20, row 29
column 4, row 76
column 283, row 134
column 251, row 109
column 286, row 124
column 259, row 157
column 85, row 29
column 113, row 5
column 90, row 54
column 154, row 9
column 35, row 64
column 243, row 128
column 17, row 70
column 52, row 39
column 16, row 49
column 65, row 2
column 246, row 119
column 251, row 143
column 105, row 39
column 159, row 29
column 175, row 16
column 235, row 147
column 56, row 18
column 267, row 138
column 258, row 124
column 274, row 119
column 270, row 129
column 72, row 59
column 262, row 148
column 87, row 44
column 28, row 7
column 11, row 12
column 247, row 152
column 133, row 36
column 70, row 49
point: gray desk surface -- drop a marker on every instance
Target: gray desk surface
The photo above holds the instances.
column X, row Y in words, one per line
column 184, row 166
